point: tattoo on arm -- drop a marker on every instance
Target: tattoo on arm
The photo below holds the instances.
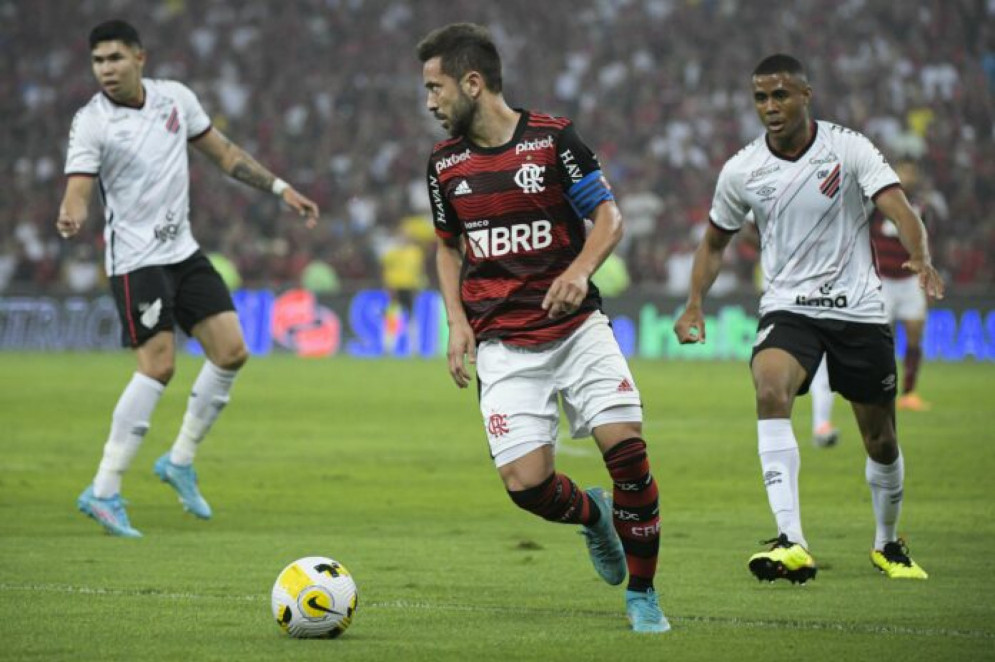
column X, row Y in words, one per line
column 247, row 170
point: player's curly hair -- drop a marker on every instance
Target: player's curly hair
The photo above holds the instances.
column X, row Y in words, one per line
column 464, row 47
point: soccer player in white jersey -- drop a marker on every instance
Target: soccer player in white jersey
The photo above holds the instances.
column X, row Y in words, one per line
column 811, row 186
column 131, row 141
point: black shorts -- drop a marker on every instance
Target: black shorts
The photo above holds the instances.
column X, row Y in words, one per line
column 154, row 299
column 860, row 357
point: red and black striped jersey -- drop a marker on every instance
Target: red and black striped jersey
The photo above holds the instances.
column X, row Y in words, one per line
column 519, row 210
column 889, row 254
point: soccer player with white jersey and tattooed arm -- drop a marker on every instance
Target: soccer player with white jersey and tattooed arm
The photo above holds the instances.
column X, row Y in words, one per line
column 131, row 140
column 512, row 191
column 811, row 186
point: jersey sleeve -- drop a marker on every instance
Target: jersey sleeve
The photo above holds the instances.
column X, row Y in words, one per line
column 443, row 215
column 580, row 172
column 874, row 174
column 197, row 120
column 729, row 211
column 83, row 152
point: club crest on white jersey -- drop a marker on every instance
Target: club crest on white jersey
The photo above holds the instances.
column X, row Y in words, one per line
column 140, row 157
column 812, row 213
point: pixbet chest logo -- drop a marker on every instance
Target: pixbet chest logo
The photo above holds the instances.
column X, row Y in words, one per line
column 514, row 239
column 534, row 145
column 450, row 161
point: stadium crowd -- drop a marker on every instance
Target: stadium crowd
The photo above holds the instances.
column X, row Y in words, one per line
column 328, row 93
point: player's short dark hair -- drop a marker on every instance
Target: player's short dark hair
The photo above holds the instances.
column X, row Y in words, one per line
column 779, row 63
column 464, row 47
column 116, row 30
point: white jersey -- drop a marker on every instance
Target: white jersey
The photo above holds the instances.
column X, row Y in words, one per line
column 140, row 158
column 812, row 214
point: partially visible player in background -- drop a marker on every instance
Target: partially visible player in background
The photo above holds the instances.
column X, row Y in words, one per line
column 510, row 191
column 131, row 139
column 824, row 433
column 809, row 185
column 904, row 299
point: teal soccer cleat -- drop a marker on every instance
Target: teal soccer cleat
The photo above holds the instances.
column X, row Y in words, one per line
column 110, row 513
column 184, row 481
column 602, row 541
column 644, row 612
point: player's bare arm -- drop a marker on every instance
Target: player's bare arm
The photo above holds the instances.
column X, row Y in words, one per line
column 690, row 326
column 462, row 348
column 75, row 203
column 569, row 289
column 239, row 165
column 895, row 206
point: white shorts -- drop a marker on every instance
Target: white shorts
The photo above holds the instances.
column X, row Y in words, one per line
column 903, row 298
column 519, row 388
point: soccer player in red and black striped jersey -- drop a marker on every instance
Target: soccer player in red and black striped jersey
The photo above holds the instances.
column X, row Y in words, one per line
column 904, row 299
column 524, row 216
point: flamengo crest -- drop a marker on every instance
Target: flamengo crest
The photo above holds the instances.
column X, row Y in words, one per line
column 529, row 177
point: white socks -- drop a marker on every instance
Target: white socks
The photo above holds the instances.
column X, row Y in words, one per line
column 885, row 481
column 822, row 397
column 208, row 397
column 780, row 462
column 129, row 424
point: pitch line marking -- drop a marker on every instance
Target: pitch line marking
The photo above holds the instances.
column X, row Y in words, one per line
column 734, row 622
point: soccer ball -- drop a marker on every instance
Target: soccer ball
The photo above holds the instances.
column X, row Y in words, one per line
column 314, row 597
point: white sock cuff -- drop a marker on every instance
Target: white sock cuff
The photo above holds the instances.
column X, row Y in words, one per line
column 775, row 434
column 885, row 474
column 220, row 373
column 144, row 380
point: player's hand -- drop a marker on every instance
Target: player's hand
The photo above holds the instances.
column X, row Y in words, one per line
column 68, row 224
column 690, row 326
column 929, row 279
column 565, row 294
column 462, row 351
column 304, row 206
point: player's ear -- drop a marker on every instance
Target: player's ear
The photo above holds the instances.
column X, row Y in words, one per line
column 807, row 93
column 472, row 84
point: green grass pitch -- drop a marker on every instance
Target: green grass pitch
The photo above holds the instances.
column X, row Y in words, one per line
column 383, row 466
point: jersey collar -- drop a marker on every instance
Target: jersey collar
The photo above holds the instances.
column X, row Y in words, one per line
column 785, row 157
column 145, row 98
column 523, row 121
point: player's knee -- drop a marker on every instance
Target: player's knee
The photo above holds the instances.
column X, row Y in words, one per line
column 882, row 445
column 161, row 371
column 773, row 401
column 232, row 358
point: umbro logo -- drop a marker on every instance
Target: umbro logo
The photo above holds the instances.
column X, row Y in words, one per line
column 762, row 335
column 150, row 313
column 463, row 188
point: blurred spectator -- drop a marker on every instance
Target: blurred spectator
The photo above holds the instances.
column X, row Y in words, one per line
column 659, row 82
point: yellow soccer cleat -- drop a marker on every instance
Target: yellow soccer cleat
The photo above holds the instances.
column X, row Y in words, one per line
column 912, row 402
column 784, row 560
column 894, row 561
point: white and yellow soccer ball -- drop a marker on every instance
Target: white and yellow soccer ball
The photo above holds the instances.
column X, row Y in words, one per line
column 314, row 597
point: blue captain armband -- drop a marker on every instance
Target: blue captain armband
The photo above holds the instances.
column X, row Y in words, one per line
column 588, row 193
